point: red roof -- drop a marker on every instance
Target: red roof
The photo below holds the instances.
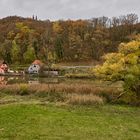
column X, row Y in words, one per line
column 37, row 62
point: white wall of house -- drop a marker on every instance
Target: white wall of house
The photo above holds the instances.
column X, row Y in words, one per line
column 34, row 69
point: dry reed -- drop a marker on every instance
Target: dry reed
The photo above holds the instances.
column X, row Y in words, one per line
column 76, row 99
column 72, row 93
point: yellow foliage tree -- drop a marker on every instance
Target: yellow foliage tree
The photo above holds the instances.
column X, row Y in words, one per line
column 123, row 65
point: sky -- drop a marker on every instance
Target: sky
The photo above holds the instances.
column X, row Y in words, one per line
column 68, row 9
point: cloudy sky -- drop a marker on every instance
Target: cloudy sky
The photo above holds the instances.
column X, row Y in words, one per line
column 68, row 9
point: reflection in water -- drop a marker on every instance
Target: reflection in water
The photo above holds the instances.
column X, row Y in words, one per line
column 7, row 80
column 4, row 80
column 33, row 80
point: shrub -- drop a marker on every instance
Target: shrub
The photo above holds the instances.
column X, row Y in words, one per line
column 23, row 89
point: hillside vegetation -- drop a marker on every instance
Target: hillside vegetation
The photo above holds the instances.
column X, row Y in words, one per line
column 24, row 39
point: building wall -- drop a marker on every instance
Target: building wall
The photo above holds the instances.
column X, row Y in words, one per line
column 34, row 68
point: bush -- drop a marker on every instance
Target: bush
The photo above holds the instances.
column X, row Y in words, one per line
column 23, row 89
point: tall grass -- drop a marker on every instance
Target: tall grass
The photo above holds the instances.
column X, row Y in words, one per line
column 89, row 99
column 86, row 94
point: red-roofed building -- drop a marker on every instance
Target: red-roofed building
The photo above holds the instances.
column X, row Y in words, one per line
column 3, row 66
column 35, row 67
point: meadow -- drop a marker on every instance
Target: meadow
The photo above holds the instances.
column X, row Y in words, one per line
column 54, row 122
column 72, row 110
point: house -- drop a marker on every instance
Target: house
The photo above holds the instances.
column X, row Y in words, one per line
column 35, row 67
column 3, row 67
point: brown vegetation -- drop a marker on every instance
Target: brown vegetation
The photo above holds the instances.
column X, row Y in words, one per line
column 71, row 93
column 88, row 99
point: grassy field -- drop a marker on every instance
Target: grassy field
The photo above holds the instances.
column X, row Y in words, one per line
column 66, row 111
column 51, row 122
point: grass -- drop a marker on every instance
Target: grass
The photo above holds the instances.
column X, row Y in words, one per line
column 89, row 99
column 38, row 122
column 71, row 93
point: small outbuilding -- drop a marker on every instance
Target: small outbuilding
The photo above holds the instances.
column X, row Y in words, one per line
column 35, row 67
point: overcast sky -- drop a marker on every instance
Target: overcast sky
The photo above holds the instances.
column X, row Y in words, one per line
column 68, row 9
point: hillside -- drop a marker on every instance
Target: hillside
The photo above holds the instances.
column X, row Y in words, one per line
column 24, row 39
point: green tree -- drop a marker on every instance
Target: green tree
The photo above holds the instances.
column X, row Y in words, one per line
column 51, row 58
column 15, row 52
column 23, row 39
column 29, row 56
column 58, row 47
column 5, row 51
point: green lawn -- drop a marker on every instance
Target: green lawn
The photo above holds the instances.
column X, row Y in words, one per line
column 49, row 122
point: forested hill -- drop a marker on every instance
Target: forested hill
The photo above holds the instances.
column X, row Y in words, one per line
column 24, row 39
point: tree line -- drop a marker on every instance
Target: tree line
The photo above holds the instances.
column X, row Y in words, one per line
column 24, row 39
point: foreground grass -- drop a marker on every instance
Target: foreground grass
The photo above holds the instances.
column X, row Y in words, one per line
column 41, row 122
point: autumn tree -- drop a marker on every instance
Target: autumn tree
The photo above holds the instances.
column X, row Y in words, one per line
column 124, row 65
column 23, row 46
column 70, row 40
